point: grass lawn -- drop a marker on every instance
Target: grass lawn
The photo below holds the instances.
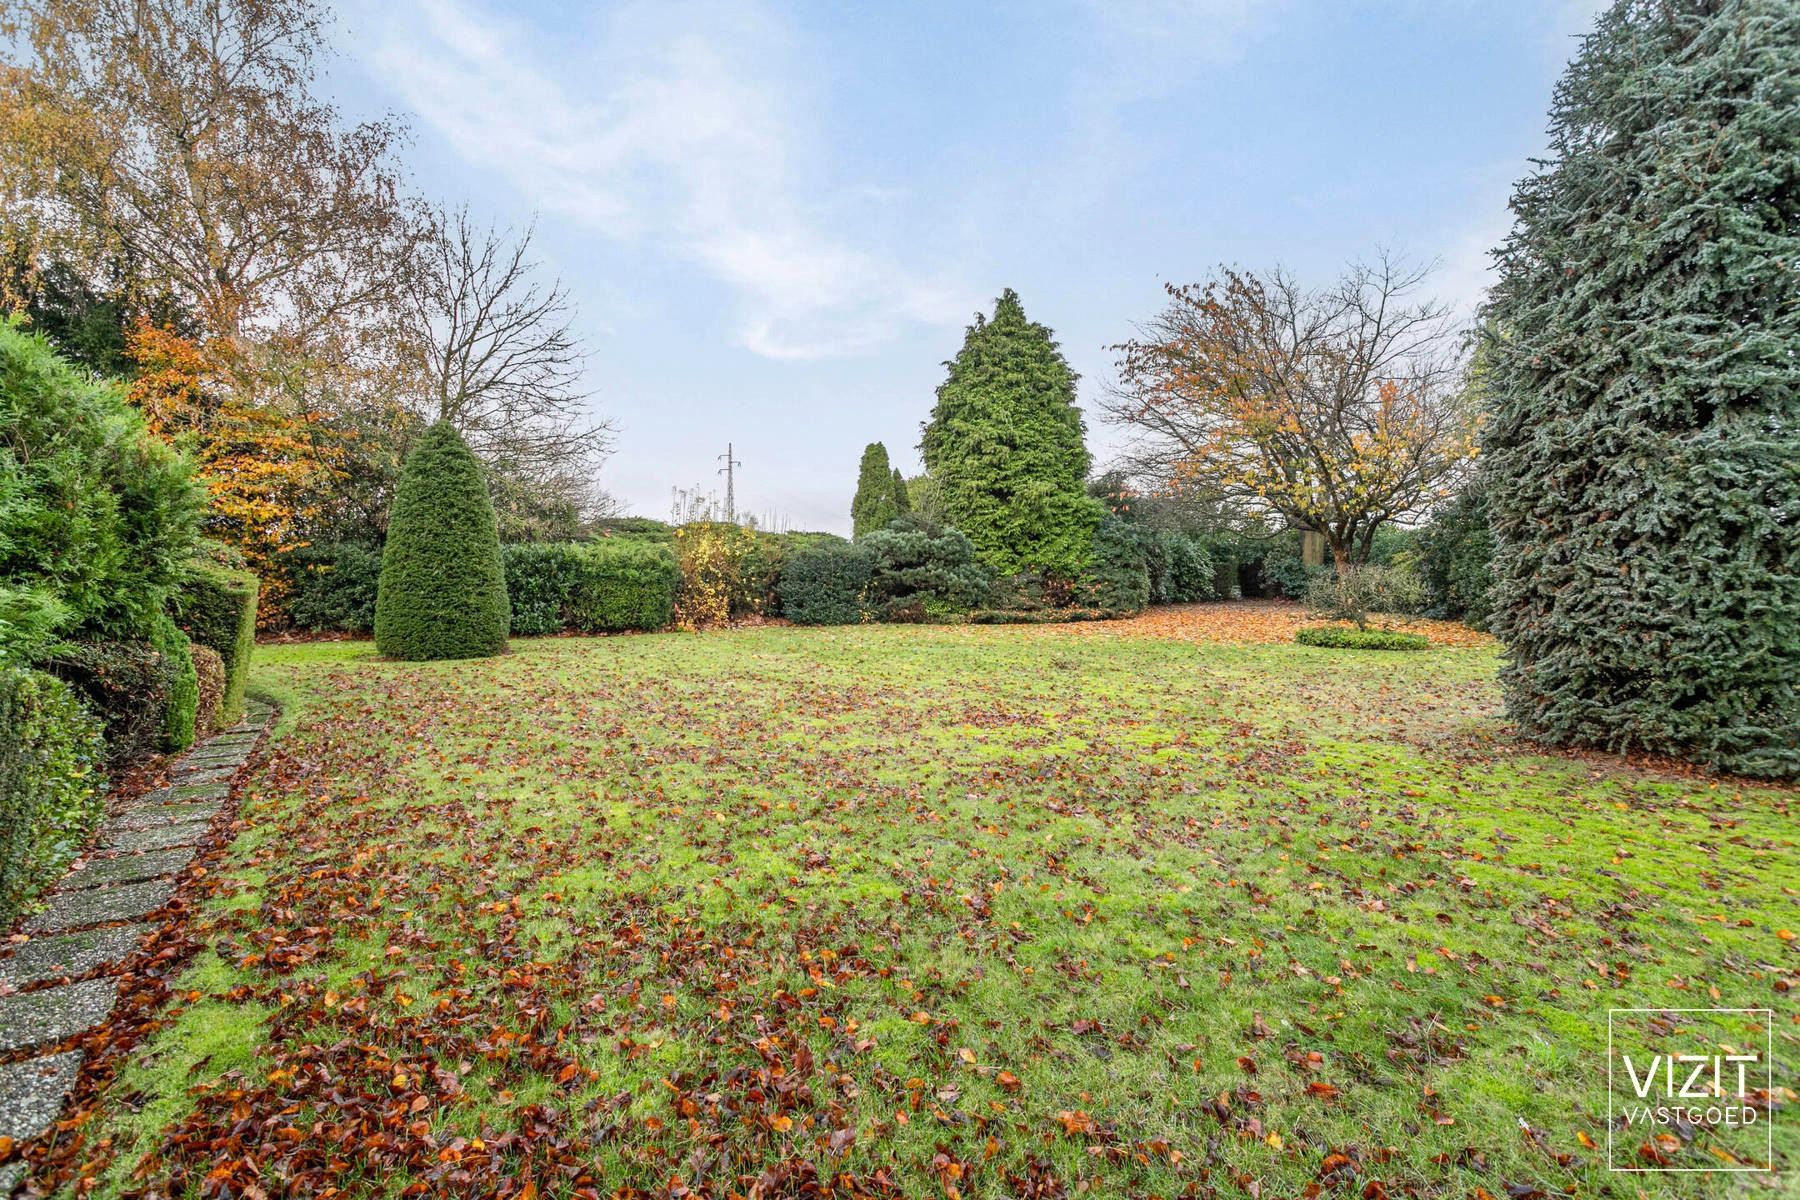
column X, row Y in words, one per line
column 1116, row 910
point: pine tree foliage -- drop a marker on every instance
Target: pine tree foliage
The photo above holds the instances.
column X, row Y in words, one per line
column 873, row 505
column 1005, row 446
column 442, row 592
column 902, row 497
column 1643, row 443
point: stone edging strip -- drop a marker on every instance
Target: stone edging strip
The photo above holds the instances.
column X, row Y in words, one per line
column 95, row 919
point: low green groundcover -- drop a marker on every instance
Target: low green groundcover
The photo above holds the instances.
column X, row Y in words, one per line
column 1336, row 637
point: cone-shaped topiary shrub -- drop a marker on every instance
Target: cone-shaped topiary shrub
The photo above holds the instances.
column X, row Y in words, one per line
column 442, row 593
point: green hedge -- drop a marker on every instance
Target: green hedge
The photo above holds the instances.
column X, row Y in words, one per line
column 1338, row 638
column 622, row 585
column 96, row 515
column 335, row 587
column 539, row 577
column 216, row 606
column 1190, row 569
column 442, row 592
column 823, row 584
column 181, row 704
column 125, row 684
column 1456, row 560
column 51, row 796
column 611, row 585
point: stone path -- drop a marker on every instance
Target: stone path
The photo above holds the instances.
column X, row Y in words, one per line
column 92, row 920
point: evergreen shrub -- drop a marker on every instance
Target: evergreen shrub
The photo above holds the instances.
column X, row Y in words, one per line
column 442, row 593
column 216, row 607
column 823, row 584
column 1336, row 637
column 918, row 571
column 51, row 787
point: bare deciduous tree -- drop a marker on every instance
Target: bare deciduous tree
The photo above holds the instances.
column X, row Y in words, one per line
column 499, row 359
column 1338, row 409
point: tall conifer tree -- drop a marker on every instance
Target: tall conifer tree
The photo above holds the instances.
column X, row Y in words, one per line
column 1643, row 443
column 1005, row 446
column 873, row 505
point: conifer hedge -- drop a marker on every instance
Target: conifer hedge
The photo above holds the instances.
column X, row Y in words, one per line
column 442, row 592
column 1643, row 444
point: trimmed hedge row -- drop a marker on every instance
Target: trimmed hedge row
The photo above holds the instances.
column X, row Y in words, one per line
column 50, row 783
column 622, row 585
column 217, row 609
column 608, row 586
column 913, row 570
column 824, row 584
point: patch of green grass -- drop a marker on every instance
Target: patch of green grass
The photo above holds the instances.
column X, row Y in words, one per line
column 999, row 908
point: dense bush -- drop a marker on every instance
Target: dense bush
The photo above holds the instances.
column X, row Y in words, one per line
column 726, row 573
column 209, row 678
column 539, row 577
column 1456, row 560
column 216, row 607
column 1187, row 568
column 1005, row 447
column 919, row 571
column 1225, row 560
column 181, row 706
column 646, row 528
column 1642, row 446
column 96, row 515
column 1355, row 592
column 334, row 587
column 620, row 584
column 1338, row 638
column 50, row 783
column 442, row 592
column 127, row 685
column 1284, row 567
column 823, row 584
column 1117, row 578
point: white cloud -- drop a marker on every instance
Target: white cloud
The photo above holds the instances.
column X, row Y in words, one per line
column 686, row 131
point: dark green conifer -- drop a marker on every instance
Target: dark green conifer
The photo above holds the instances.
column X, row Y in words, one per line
column 442, row 593
column 1643, row 444
column 1005, row 447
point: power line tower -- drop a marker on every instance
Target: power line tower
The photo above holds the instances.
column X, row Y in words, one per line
column 729, row 471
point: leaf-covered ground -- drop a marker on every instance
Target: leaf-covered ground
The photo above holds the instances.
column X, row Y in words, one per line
column 942, row 911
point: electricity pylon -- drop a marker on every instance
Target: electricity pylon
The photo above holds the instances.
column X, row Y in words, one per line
column 729, row 472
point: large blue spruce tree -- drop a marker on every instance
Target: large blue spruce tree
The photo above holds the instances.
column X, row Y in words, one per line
column 1643, row 446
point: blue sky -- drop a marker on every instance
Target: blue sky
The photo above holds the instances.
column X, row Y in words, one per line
column 776, row 219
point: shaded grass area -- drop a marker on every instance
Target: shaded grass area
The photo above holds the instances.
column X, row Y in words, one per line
column 943, row 911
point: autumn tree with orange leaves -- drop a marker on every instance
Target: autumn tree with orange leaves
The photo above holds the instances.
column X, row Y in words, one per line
column 1340, row 409
column 263, row 469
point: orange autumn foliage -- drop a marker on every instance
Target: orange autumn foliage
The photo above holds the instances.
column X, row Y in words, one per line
column 257, row 463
